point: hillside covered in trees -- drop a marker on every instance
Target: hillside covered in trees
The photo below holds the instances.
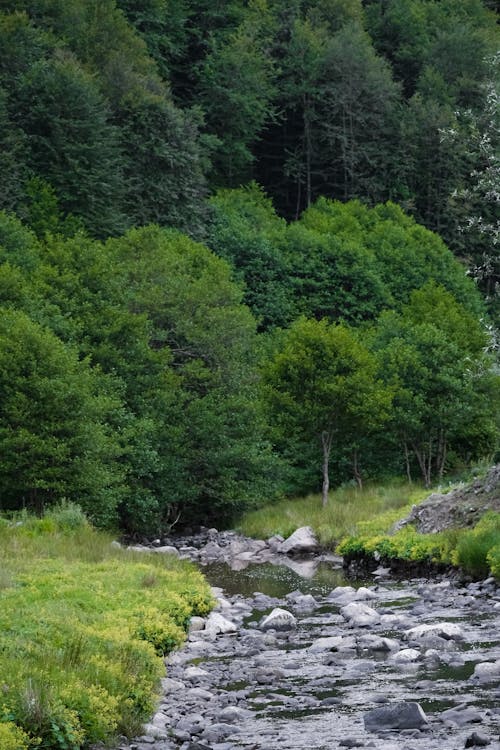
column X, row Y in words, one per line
column 245, row 247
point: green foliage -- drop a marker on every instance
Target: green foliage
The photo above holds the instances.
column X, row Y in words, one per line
column 475, row 551
column 12, row 737
column 372, row 509
column 78, row 664
column 54, row 428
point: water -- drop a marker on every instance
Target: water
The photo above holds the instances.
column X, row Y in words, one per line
column 310, row 577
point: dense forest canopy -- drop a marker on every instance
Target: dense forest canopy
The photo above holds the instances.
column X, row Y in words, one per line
column 207, row 207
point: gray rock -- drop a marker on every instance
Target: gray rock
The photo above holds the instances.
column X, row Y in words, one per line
column 333, row 643
column 278, row 619
column 302, row 541
column 461, row 715
column 395, row 716
column 360, row 615
column 487, row 671
column 217, row 624
column 195, row 674
column 196, row 624
column 192, row 724
column 219, row 732
column 405, row 656
column 372, row 642
column 446, row 630
column 306, row 603
column 477, row 739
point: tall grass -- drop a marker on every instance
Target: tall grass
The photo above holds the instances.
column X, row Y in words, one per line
column 83, row 627
column 347, row 507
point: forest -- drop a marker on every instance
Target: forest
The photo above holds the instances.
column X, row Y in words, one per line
column 248, row 249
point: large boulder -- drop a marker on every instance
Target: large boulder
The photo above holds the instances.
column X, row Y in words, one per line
column 395, row 716
column 302, row 541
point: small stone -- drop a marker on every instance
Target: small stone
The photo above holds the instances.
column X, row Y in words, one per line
column 395, row 716
column 477, row 739
column 351, row 742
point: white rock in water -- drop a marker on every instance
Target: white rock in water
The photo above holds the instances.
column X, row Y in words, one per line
column 302, row 540
column 364, row 593
column 333, row 643
column 450, row 631
column 359, row 614
column 278, row 619
column 405, row 656
column 216, row 624
column 487, row 670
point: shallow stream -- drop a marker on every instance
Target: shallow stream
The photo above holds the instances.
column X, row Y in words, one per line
column 310, row 687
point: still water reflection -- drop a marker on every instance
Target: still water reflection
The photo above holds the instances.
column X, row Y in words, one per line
column 310, row 577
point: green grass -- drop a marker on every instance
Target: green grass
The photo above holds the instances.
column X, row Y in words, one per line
column 83, row 628
column 380, row 505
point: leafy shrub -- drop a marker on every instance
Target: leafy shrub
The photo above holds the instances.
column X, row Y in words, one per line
column 67, row 516
column 12, row 737
column 159, row 630
column 493, row 558
column 472, row 551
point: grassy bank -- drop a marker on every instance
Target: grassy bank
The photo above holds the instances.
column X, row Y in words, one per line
column 348, row 506
column 358, row 524
column 476, row 551
column 83, row 628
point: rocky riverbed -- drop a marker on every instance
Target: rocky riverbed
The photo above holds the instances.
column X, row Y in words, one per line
column 406, row 665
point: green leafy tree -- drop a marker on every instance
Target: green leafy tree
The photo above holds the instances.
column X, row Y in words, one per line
column 245, row 230
column 236, row 91
column 322, row 384
column 433, row 354
column 73, row 146
column 56, row 432
column 163, row 166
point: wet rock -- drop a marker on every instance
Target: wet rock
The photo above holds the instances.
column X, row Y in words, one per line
column 217, row 623
column 333, row 643
column 477, row 739
column 219, row 732
column 360, row 615
column 196, row 624
column 278, row 619
column 192, row 725
column 446, row 630
column 275, row 542
column 461, row 715
column 305, row 603
column 302, row 541
column 487, row 671
column 372, row 642
column 195, row 674
column 405, row 656
column 395, row 716
column 351, row 742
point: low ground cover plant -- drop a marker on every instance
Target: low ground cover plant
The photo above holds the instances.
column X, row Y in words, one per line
column 83, row 629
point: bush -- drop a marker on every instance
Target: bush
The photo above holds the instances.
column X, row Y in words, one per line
column 12, row 737
column 473, row 548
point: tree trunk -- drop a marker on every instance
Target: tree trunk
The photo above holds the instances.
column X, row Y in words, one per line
column 326, row 440
column 407, row 462
column 356, row 469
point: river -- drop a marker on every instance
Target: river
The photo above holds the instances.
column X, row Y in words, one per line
column 317, row 685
